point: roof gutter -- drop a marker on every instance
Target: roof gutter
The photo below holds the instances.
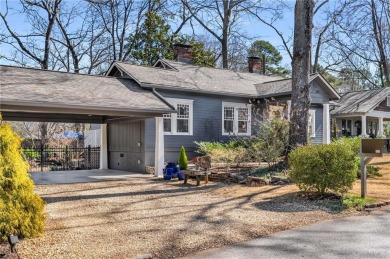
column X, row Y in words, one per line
column 155, row 86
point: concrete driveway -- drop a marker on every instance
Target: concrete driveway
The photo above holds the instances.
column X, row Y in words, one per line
column 83, row 176
column 353, row 237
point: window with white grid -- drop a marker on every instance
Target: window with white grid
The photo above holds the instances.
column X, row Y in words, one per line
column 179, row 123
column 167, row 122
column 228, row 120
column 183, row 117
column 236, row 119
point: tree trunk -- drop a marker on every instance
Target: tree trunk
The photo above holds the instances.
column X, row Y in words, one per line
column 300, row 73
column 377, row 28
column 225, row 33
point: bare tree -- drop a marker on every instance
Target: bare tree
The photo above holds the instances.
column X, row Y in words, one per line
column 361, row 38
column 321, row 33
column 36, row 44
column 271, row 22
column 120, row 19
column 222, row 18
column 303, row 24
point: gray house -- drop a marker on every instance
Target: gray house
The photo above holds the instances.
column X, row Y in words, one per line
column 212, row 105
column 148, row 113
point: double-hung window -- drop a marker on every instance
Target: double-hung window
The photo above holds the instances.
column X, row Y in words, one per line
column 179, row 123
column 236, row 119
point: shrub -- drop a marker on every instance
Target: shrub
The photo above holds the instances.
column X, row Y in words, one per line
column 32, row 154
column 205, row 148
column 323, row 168
column 227, row 153
column 272, row 141
column 183, row 161
column 356, row 202
column 21, row 210
column 352, row 143
column 373, row 171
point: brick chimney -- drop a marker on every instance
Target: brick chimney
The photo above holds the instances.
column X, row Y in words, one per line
column 183, row 53
column 255, row 65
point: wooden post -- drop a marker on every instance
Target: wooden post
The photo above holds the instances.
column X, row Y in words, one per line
column 363, row 176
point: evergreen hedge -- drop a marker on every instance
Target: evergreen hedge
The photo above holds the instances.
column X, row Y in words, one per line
column 183, row 161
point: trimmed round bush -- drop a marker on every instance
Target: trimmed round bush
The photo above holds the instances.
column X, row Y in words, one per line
column 21, row 210
column 323, row 168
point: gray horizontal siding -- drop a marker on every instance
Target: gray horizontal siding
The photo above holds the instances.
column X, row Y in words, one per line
column 207, row 124
column 317, row 94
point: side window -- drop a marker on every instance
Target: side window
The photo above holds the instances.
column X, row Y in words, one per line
column 236, row 119
column 179, row 123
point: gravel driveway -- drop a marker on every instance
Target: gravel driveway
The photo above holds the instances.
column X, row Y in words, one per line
column 124, row 219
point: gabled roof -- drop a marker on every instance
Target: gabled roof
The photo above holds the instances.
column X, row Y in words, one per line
column 187, row 77
column 360, row 101
column 284, row 87
column 167, row 74
column 46, row 88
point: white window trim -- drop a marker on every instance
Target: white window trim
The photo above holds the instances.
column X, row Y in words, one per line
column 174, row 102
column 235, row 122
column 312, row 112
column 388, row 101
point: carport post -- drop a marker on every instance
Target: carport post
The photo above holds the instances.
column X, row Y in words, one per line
column 103, row 147
column 159, row 147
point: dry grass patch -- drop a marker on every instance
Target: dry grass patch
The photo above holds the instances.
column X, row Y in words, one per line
column 378, row 187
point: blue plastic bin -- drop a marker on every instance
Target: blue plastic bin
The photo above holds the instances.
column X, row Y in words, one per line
column 168, row 172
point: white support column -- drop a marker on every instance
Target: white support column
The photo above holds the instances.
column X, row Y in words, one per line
column 364, row 125
column 288, row 109
column 103, row 147
column 380, row 126
column 159, row 147
column 325, row 124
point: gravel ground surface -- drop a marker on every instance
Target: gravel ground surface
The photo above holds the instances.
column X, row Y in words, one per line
column 125, row 219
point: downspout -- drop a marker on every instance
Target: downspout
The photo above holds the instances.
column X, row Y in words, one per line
column 159, row 96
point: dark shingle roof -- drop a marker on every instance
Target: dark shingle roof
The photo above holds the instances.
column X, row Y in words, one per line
column 38, row 86
column 361, row 101
column 284, row 87
column 195, row 78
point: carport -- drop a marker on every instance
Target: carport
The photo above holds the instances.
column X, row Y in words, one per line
column 29, row 94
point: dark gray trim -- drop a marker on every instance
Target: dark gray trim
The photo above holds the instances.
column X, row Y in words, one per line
column 159, row 96
column 195, row 90
column 50, row 117
column 77, row 109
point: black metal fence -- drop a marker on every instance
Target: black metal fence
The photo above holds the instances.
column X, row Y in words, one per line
column 62, row 158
